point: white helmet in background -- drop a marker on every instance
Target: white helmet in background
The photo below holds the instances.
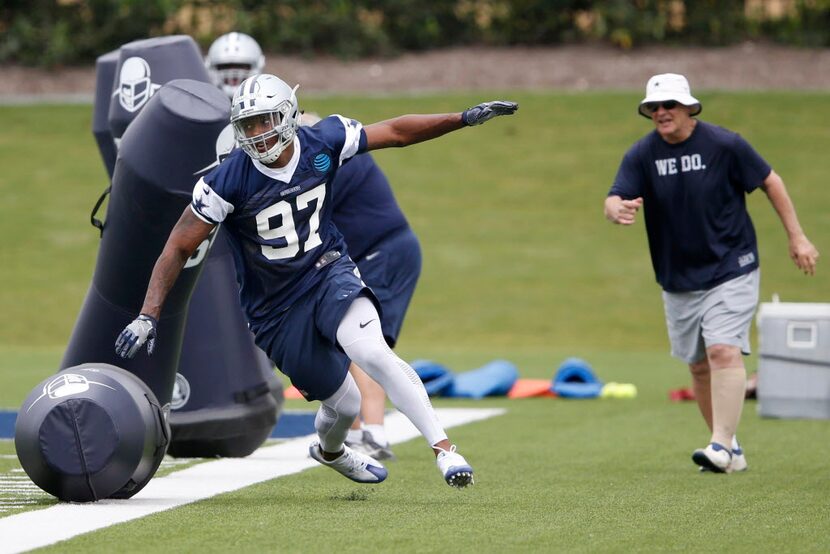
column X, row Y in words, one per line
column 231, row 59
column 265, row 116
column 309, row 119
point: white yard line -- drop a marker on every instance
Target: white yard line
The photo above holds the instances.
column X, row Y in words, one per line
column 67, row 520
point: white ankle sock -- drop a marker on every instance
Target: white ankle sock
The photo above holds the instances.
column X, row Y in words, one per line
column 354, row 435
column 378, row 433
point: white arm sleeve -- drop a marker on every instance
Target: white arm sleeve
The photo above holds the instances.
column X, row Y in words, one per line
column 209, row 206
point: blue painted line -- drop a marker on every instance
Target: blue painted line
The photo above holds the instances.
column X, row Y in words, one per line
column 290, row 424
column 293, row 424
column 7, row 420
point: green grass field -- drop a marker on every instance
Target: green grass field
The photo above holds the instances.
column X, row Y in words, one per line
column 520, row 264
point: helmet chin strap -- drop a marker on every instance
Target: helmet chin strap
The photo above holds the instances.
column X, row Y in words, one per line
column 272, row 157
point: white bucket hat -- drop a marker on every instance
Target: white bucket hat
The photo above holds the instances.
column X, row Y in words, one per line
column 669, row 86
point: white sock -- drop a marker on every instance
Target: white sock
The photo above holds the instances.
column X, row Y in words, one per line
column 354, row 435
column 378, row 434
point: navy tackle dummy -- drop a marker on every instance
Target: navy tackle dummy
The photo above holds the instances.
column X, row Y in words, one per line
column 170, row 140
column 90, row 432
column 105, row 67
column 227, row 396
column 143, row 67
column 218, row 405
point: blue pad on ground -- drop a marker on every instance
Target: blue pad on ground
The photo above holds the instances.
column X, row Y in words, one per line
column 492, row 379
column 436, row 378
column 576, row 379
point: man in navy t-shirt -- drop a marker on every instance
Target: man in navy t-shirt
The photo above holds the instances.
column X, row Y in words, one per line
column 301, row 292
column 691, row 179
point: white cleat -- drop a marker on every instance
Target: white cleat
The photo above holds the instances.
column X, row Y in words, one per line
column 714, row 457
column 354, row 465
column 455, row 469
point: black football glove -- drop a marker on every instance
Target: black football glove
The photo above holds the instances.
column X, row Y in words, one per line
column 488, row 110
column 134, row 335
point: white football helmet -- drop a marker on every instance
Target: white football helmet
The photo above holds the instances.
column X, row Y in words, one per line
column 265, row 116
column 231, row 59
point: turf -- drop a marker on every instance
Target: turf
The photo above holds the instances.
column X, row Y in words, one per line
column 518, row 264
column 552, row 475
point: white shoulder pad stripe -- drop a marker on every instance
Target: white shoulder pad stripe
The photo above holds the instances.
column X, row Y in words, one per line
column 352, row 142
column 208, row 205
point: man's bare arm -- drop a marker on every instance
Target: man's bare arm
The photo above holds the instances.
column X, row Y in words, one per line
column 412, row 129
column 802, row 251
column 185, row 237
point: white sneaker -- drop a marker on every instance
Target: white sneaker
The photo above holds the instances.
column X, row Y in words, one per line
column 367, row 445
column 714, row 457
column 354, row 465
column 455, row 469
column 738, row 462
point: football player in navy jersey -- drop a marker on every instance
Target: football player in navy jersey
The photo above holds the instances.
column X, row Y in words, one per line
column 691, row 179
column 378, row 236
column 300, row 290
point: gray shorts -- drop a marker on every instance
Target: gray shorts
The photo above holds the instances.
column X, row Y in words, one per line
column 720, row 315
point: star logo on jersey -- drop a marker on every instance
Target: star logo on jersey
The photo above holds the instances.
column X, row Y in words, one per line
column 198, row 204
column 322, row 162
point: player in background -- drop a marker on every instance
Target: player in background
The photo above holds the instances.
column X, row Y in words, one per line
column 301, row 292
column 231, row 59
column 691, row 179
column 388, row 255
column 379, row 238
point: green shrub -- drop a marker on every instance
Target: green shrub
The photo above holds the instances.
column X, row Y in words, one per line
column 43, row 32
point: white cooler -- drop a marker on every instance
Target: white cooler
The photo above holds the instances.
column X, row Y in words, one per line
column 794, row 360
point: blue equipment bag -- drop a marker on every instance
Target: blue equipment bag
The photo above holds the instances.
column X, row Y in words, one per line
column 437, row 379
column 492, row 379
column 576, row 379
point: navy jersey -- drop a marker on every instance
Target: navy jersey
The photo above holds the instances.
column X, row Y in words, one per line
column 699, row 232
column 365, row 210
column 279, row 220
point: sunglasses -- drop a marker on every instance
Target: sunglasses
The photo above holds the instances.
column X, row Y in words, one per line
column 652, row 107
